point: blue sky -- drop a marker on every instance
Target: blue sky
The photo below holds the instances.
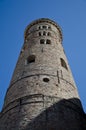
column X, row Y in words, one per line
column 17, row 14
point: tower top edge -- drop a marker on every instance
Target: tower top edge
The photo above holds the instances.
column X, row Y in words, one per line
column 47, row 20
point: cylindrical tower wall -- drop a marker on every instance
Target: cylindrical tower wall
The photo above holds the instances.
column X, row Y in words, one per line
column 42, row 78
column 42, row 57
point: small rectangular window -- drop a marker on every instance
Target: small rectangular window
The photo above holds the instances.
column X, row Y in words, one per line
column 42, row 41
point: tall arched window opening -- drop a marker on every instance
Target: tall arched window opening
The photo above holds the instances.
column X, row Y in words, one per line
column 63, row 63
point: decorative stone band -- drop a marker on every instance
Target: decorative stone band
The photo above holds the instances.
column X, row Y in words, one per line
column 40, row 21
column 27, row 76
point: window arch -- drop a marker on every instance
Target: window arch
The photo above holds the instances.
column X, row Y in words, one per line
column 63, row 63
column 31, row 59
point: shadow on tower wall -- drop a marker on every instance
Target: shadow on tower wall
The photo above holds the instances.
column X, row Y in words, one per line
column 63, row 115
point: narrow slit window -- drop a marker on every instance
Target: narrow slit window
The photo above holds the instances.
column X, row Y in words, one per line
column 31, row 59
column 39, row 33
column 63, row 63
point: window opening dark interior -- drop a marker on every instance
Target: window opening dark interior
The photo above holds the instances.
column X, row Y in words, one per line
column 44, row 33
column 39, row 27
column 39, row 33
column 46, row 79
column 42, row 41
column 49, row 27
column 31, row 59
column 49, row 34
column 48, row 41
column 63, row 63
column 44, row 27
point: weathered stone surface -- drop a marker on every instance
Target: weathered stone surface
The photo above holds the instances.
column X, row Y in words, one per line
column 42, row 94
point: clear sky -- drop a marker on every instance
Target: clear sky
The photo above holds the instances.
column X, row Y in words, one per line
column 15, row 15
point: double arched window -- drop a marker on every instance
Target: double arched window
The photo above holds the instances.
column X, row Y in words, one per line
column 45, row 41
column 44, row 33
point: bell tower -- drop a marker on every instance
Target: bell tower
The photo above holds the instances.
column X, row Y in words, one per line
column 42, row 94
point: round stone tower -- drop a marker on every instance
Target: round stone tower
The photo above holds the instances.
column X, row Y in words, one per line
column 42, row 94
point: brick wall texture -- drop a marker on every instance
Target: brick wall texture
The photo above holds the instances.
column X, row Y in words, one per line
column 42, row 94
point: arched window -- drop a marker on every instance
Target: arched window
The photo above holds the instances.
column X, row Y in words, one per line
column 31, row 59
column 63, row 63
column 48, row 41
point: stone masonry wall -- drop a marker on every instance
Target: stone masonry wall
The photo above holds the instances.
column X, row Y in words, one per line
column 42, row 93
